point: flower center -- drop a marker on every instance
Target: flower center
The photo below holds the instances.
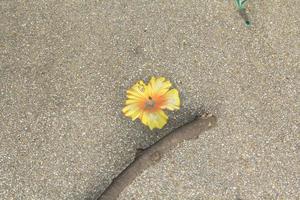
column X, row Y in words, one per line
column 150, row 103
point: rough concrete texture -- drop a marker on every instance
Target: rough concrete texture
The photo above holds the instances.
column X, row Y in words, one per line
column 65, row 67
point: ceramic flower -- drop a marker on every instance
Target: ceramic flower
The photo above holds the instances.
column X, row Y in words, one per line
column 147, row 102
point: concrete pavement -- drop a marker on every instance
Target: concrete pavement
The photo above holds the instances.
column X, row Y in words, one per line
column 65, row 67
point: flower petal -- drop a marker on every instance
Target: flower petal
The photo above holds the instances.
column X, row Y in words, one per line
column 136, row 115
column 159, row 86
column 172, row 100
column 156, row 119
column 137, row 91
column 132, row 111
column 132, row 101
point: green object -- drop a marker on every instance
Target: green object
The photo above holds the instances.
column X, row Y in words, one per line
column 240, row 4
column 241, row 7
column 248, row 23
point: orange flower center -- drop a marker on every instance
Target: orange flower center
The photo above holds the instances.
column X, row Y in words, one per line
column 152, row 103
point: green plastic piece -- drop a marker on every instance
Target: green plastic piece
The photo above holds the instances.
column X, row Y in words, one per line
column 240, row 4
column 241, row 7
column 248, row 23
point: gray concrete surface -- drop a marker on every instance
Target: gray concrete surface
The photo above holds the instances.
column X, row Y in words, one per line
column 65, row 67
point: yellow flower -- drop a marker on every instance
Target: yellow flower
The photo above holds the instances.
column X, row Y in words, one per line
column 147, row 102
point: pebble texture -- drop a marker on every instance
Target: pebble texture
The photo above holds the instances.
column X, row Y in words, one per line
column 65, row 67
